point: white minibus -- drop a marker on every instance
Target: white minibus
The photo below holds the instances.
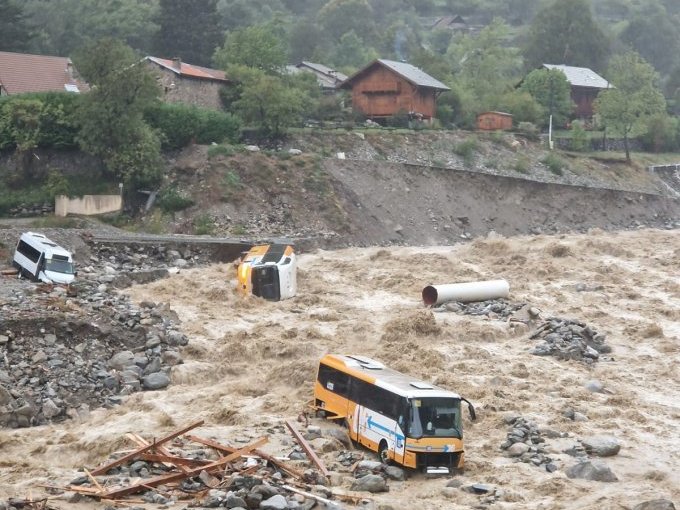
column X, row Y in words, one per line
column 38, row 258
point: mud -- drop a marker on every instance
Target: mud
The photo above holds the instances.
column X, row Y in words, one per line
column 250, row 363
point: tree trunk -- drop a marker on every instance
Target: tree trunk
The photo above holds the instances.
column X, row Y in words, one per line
column 625, row 144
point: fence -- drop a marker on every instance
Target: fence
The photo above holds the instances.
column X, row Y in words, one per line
column 87, row 204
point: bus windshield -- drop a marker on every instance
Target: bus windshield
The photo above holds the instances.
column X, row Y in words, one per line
column 59, row 266
column 435, row 417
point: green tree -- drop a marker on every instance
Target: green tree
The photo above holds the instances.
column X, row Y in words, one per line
column 112, row 125
column 267, row 103
column 523, row 107
column 564, row 32
column 550, row 88
column 338, row 17
column 351, row 52
column 189, row 29
column 654, row 35
column 625, row 108
column 484, row 66
column 62, row 26
column 14, row 32
column 257, row 47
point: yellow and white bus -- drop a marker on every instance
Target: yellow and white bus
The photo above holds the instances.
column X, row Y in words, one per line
column 406, row 421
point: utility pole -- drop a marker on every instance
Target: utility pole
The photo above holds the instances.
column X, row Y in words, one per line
column 550, row 121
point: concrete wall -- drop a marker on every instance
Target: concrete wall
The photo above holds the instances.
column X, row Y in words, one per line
column 87, row 205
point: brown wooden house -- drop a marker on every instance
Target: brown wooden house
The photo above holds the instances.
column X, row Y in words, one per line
column 585, row 86
column 385, row 88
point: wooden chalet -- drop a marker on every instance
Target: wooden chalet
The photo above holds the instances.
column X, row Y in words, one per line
column 585, row 86
column 385, row 88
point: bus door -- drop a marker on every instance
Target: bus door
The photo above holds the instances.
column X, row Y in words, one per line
column 400, row 432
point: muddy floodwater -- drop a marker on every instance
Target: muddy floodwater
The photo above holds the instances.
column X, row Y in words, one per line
column 250, row 364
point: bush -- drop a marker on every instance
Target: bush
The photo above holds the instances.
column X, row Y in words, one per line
column 466, row 149
column 522, row 165
column 661, row 134
column 45, row 119
column 554, row 163
column 529, row 130
column 579, row 137
column 222, row 150
column 204, row 225
column 182, row 124
column 170, row 200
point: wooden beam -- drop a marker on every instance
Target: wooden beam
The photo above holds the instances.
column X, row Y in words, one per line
column 308, row 449
column 175, row 477
column 136, row 438
column 173, row 461
column 142, row 449
column 228, row 449
column 94, row 481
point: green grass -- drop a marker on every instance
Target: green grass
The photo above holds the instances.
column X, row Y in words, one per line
column 466, row 149
column 231, row 185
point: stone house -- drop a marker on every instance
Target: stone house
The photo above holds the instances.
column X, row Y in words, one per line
column 188, row 83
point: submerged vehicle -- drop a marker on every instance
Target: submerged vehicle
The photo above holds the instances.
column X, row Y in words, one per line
column 268, row 271
column 407, row 421
column 40, row 259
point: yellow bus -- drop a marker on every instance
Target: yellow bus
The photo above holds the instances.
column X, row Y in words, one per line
column 407, row 421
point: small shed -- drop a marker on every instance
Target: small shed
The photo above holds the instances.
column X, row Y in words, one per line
column 494, row 121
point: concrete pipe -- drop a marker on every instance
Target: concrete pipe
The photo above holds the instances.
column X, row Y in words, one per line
column 465, row 292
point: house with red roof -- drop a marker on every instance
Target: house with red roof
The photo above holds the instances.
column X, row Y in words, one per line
column 22, row 72
column 188, row 83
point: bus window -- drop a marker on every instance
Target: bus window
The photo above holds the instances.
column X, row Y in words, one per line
column 435, row 417
column 334, row 380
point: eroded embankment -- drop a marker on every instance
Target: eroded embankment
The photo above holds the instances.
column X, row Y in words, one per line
column 395, row 203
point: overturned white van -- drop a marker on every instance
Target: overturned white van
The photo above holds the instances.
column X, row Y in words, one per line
column 38, row 258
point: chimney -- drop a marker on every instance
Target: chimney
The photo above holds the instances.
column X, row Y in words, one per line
column 177, row 64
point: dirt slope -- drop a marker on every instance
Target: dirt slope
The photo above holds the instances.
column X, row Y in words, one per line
column 409, row 189
column 250, row 363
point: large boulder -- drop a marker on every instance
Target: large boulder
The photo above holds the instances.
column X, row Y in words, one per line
column 156, row 381
column 370, row 483
column 121, row 360
column 594, row 470
column 602, row 446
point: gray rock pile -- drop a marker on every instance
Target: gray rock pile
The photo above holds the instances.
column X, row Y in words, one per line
column 493, row 308
column 59, row 367
column 569, row 339
column 525, row 443
column 63, row 353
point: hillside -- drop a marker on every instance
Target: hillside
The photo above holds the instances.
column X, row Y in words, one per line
column 406, row 188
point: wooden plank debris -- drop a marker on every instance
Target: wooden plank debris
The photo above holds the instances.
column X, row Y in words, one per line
column 228, row 449
column 175, row 477
column 136, row 438
column 143, row 449
column 308, row 449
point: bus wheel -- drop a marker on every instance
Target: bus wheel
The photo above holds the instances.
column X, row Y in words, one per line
column 384, row 453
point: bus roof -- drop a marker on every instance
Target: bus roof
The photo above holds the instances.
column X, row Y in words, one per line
column 385, row 377
column 42, row 243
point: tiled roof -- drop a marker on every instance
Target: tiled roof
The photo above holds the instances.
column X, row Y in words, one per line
column 190, row 70
column 21, row 72
column 406, row 71
column 324, row 70
column 581, row 76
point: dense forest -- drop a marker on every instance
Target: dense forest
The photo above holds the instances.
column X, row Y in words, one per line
column 490, row 62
